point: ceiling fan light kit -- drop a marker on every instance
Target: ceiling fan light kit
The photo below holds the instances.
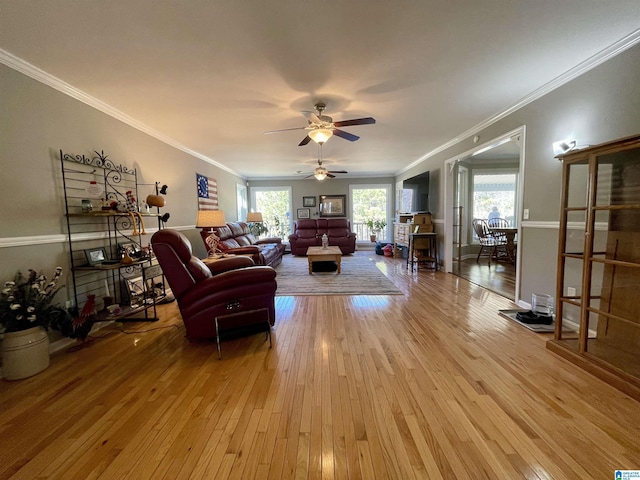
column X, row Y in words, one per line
column 320, row 174
column 320, row 135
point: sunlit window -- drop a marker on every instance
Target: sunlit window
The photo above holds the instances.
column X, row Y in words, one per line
column 494, row 196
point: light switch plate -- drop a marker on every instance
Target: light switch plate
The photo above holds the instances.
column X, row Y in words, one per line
column 525, row 214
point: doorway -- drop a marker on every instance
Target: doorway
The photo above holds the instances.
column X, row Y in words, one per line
column 484, row 183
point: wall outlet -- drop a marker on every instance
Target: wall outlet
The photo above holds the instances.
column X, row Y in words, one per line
column 525, row 214
column 571, row 292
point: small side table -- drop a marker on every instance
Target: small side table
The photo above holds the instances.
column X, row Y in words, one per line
column 427, row 243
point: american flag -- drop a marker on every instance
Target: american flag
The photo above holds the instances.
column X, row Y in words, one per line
column 207, row 193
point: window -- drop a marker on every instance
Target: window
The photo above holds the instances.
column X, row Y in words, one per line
column 462, row 199
column 241, row 201
column 370, row 202
column 494, row 194
column 275, row 205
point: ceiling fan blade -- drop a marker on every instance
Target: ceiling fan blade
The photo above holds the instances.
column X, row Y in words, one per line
column 304, row 141
column 338, row 171
column 284, row 130
column 311, row 116
column 330, row 176
column 355, row 121
column 346, row 135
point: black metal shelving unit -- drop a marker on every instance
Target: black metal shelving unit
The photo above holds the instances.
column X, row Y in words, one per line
column 106, row 226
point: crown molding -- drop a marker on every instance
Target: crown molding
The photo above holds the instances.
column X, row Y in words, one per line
column 599, row 58
column 41, row 76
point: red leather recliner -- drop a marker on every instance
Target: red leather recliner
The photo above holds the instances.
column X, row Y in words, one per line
column 229, row 286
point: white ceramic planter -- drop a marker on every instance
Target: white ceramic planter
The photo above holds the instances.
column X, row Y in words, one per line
column 24, row 353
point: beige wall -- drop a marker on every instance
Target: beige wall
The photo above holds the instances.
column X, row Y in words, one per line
column 36, row 122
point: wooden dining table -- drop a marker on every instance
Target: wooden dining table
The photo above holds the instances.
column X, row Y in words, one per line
column 510, row 235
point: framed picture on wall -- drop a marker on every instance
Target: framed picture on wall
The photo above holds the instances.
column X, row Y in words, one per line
column 333, row 205
column 308, row 202
column 303, row 213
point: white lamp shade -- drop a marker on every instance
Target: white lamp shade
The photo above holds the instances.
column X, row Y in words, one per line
column 254, row 217
column 210, row 218
column 320, row 135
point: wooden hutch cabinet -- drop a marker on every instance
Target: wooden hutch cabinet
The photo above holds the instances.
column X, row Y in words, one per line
column 599, row 263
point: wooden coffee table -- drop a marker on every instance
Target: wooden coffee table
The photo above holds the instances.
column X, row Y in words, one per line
column 319, row 254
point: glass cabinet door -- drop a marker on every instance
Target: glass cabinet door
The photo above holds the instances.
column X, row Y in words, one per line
column 571, row 257
column 614, row 313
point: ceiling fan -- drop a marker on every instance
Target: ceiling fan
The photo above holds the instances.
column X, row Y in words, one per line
column 320, row 173
column 322, row 127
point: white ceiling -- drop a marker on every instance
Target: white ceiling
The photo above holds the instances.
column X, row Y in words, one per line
column 214, row 75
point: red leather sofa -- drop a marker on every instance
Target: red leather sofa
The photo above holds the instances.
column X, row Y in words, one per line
column 308, row 233
column 236, row 238
column 231, row 288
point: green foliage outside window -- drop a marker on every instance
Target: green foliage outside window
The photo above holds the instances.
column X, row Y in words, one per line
column 369, row 203
column 274, row 206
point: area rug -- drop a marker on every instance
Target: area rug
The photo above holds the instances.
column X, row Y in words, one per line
column 539, row 328
column 359, row 276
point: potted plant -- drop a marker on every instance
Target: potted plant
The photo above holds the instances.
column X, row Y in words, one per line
column 375, row 227
column 258, row 228
column 26, row 310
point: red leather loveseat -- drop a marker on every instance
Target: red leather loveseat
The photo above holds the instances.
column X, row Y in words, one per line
column 308, row 233
column 236, row 238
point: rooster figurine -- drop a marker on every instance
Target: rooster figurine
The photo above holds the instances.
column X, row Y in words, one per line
column 84, row 322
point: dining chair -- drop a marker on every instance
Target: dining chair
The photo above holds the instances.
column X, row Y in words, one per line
column 498, row 222
column 491, row 245
column 501, row 223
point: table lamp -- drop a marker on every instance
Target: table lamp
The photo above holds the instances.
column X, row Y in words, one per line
column 253, row 218
column 210, row 219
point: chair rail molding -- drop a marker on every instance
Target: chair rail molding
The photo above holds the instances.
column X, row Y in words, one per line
column 7, row 242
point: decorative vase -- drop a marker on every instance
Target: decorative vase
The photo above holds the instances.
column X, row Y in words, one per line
column 24, row 353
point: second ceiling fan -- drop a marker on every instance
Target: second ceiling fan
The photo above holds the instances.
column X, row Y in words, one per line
column 320, row 173
column 322, row 127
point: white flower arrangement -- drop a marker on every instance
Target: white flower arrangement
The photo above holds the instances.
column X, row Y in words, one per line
column 26, row 302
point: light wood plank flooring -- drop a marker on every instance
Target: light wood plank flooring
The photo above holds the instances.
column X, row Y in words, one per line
column 500, row 277
column 430, row 385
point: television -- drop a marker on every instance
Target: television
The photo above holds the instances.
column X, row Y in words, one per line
column 414, row 197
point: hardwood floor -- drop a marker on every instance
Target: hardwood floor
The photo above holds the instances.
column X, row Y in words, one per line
column 500, row 277
column 433, row 385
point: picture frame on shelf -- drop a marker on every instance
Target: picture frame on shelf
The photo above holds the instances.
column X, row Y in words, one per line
column 308, row 202
column 95, row 256
column 303, row 213
column 136, row 290
column 333, row 205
